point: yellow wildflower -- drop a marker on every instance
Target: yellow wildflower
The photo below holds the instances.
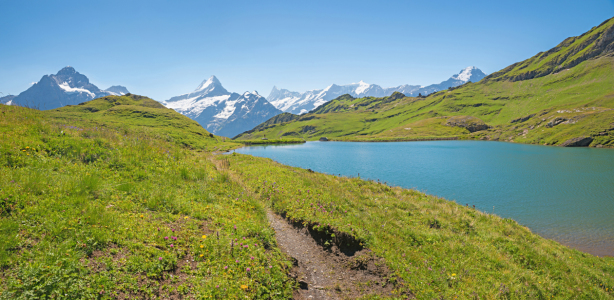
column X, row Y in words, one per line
column 202, row 246
column 204, row 236
column 243, row 286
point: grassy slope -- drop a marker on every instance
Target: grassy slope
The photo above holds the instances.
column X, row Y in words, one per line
column 583, row 93
column 143, row 115
column 567, row 54
column 85, row 211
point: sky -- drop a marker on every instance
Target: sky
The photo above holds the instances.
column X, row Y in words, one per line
column 162, row 49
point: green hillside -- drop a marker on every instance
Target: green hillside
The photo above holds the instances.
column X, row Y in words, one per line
column 117, row 211
column 139, row 114
column 528, row 102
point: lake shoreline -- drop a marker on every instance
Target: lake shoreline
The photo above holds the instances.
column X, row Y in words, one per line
column 510, row 208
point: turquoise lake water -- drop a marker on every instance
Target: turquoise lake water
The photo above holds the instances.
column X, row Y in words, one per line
column 565, row 194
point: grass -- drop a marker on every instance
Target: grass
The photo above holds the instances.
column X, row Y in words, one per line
column 101, row 213
column 439, row 249
column 121, row 211
column 273, row 141
column 393, row 139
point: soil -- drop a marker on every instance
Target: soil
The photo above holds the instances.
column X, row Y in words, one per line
column 329, row 273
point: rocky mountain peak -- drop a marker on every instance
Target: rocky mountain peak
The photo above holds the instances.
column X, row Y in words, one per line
column 209, row 84
column 66, row 87
column 67, row 71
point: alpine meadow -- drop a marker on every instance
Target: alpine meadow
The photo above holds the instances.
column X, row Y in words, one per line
column 121, row 196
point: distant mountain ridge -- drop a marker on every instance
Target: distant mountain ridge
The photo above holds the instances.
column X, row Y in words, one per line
column 67, row 87
column 300, row 103
column 118, row 90
column 7, row 100
column 222, row 112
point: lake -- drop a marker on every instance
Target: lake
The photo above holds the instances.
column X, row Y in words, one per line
column 565, row 194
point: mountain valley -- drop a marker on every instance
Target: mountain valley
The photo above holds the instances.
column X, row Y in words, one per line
column 528, row 102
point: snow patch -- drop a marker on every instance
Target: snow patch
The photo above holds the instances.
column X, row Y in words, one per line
column 195, row 105
column 71, row 90
column 227, row 111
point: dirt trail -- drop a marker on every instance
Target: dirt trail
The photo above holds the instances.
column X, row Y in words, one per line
column 329, row 274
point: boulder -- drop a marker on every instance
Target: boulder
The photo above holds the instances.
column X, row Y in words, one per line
column 582, row 141
column 556, row 121
column 520, row 120
column 472, row 124
column 323, row 139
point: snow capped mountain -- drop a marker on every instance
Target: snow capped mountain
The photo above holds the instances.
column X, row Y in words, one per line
column 221, row 112
column 472, row 74
column 67, row 87
column 297, row 103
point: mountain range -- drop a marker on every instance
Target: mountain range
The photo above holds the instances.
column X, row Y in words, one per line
column 211, row 105
column 220, row 111
column 300, row 103
column 67, row 87
column 563, row 96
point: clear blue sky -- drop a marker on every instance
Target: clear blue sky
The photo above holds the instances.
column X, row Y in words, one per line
column 165, row 48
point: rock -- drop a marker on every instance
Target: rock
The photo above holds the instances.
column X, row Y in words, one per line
column 582, row 141
column 303, row 285
column 470, row 123
column 307, row 128
column 556, row 121
column 323, row 139
column 520, row 120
